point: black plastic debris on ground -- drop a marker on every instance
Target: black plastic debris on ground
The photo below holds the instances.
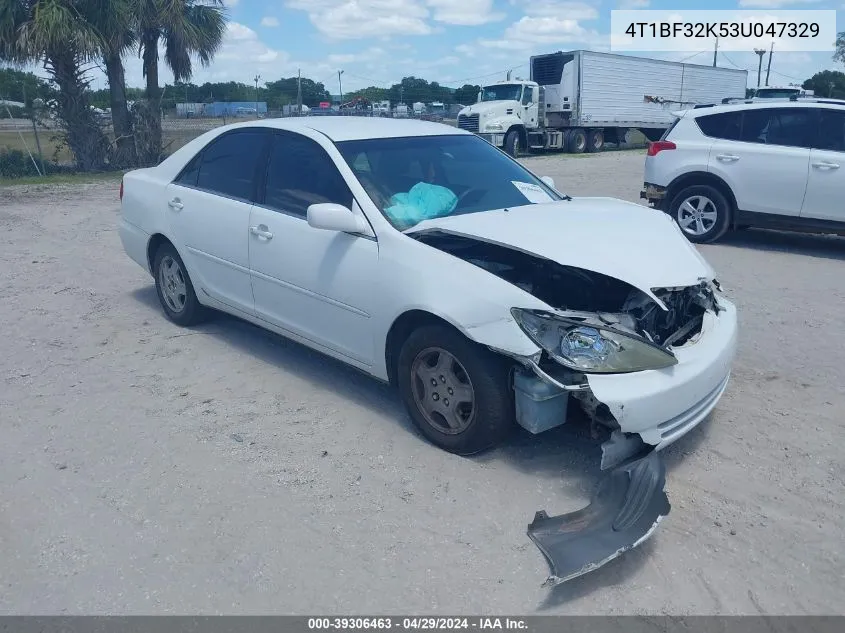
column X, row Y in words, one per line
column 624, row 511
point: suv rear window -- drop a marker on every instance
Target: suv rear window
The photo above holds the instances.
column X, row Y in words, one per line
column 669, row 129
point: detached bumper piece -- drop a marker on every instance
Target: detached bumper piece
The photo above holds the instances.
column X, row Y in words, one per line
column 625, row 510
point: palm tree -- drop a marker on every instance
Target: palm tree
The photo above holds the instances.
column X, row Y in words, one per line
column 55, row 33
column 186, row 28
column 114, row 21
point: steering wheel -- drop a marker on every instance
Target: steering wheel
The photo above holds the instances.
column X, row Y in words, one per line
column 463, row 195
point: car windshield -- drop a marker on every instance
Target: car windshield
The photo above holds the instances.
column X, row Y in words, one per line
column 776, row 93
column 424, row 177
column 502, row 92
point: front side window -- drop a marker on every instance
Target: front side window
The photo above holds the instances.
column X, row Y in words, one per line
column 831, row 134
column 300, row 173
column 229, row 163
column 418, row 178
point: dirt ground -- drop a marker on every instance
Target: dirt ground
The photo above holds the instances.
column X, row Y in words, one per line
column 149, row 469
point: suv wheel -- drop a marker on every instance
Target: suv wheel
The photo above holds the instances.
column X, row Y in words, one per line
column 702, row 212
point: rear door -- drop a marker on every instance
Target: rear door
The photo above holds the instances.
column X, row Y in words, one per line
column 763, row 154
column 209, row 205
column 825, row 199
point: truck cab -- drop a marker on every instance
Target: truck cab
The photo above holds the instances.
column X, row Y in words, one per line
column 504, row 114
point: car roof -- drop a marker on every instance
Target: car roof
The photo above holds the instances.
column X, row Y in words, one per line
column 757, row 105
column 350, row 128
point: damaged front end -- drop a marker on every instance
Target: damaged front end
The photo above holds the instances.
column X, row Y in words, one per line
column 597, row 325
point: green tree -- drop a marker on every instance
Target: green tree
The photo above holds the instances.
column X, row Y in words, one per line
column 466, row 94
column 187, row 28
column 827, row 83
column 55, row 33
column 16, row 85
column 839, row 55
column 115, row 22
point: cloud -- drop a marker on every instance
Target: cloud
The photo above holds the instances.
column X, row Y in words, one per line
column 772, row 4
column 529, row 33
column 269, row 21
column 556, row 9
column 635, row 4
column 358, row 19
column 464, row 12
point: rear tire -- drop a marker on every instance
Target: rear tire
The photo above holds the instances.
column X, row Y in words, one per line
column 702, row 212
column 577, row 141
column 595, row 140
column 175, row 290
column 512, row 143
column 437, row 363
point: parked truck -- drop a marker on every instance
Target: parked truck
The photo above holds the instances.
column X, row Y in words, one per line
column 576, row 101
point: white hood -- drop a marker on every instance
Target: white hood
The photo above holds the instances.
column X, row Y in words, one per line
column 489, row 107
column 635, row 244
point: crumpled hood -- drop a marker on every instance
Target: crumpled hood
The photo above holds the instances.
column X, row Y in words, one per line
column 635, row 244
column 488, row 107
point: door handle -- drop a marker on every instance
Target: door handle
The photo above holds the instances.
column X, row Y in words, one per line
column 261, row 231
column 175, row 204
column 826, row 165
column 727, row 158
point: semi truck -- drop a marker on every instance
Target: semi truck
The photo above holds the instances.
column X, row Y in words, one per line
column 577, row 101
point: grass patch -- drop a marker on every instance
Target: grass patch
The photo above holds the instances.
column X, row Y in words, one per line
column 11, row 139
column 64, row 179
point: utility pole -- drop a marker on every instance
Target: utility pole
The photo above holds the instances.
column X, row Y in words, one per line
column 760, row 52
column 298, row 92
column 769, row 67
column 340, row 86
column 715, row 52
column 256, row 78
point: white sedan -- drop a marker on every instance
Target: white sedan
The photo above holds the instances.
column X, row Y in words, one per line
column 426, row 257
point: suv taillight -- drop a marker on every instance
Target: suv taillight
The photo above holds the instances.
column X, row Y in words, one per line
column 121, row 189
column 658, row 146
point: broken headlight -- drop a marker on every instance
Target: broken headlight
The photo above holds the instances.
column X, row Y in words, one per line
column 590, row 345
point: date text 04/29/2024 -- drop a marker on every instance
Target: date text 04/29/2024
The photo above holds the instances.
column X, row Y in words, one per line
column 416, row 623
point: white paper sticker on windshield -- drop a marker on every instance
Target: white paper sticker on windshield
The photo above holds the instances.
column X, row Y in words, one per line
column 534, row 193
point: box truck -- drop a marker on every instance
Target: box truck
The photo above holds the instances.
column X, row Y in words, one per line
column 576, row 101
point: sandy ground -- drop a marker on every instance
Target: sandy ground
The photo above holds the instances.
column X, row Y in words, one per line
column 149, row 469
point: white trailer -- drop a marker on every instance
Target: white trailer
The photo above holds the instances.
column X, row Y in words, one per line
column 575, row 101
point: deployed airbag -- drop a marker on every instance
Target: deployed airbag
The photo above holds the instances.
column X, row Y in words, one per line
column 423, row 202
column 625, row 510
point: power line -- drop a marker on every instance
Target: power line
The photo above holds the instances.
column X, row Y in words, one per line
column 732, row 63
column 691, row 56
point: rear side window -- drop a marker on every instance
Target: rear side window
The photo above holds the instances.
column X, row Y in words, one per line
column 831, row 135
column 725, row 125
column 229, row 163
column 790, row 127
column 300, row 173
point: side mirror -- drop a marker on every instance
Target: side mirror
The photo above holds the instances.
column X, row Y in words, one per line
column 548, row 180
column 336, row 217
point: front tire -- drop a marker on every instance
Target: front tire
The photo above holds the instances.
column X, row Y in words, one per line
column 512, row 143
column 457, row 393
column 175, row 290
column 703, row 213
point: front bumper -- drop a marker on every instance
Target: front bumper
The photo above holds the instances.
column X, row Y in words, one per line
column 497, row 139
column 663, row 405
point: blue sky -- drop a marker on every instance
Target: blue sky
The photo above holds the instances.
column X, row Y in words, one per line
column 377, row 42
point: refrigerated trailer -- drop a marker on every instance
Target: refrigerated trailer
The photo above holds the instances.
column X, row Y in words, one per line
column 576, row 101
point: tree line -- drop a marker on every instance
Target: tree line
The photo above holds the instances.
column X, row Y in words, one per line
column 67, row 37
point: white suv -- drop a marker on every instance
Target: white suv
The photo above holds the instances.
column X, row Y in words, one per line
column 780, row 165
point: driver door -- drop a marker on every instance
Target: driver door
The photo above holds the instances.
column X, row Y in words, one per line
column 315, row 283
